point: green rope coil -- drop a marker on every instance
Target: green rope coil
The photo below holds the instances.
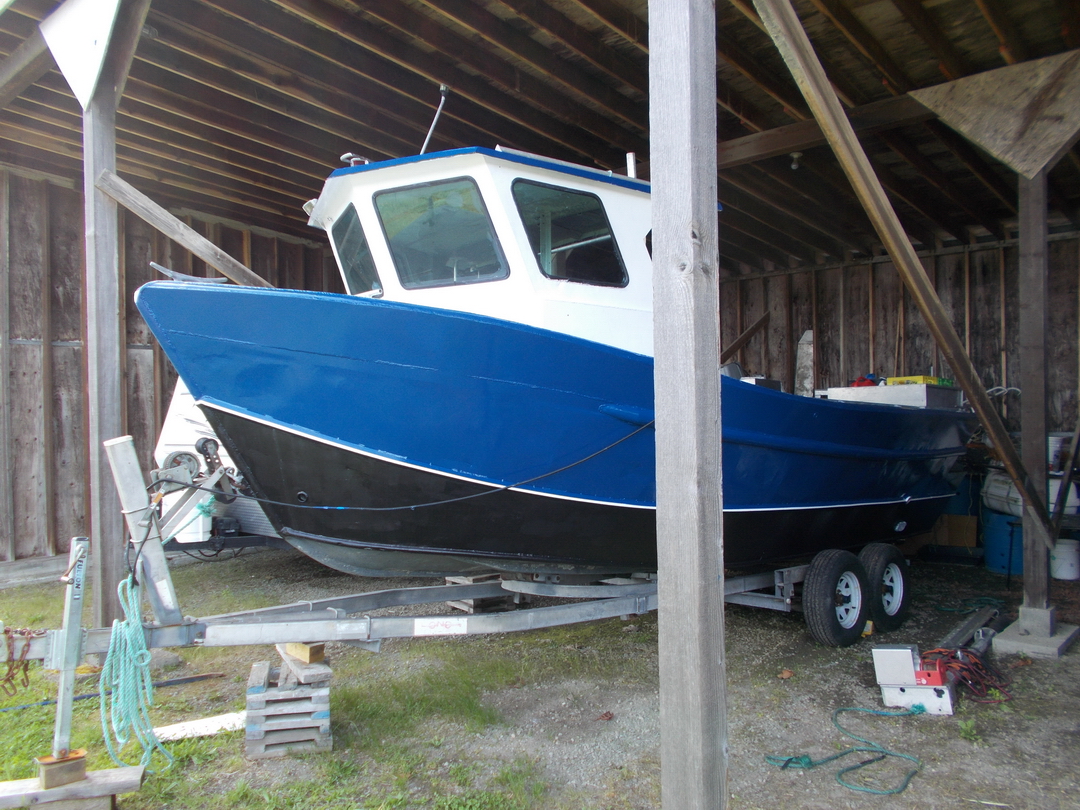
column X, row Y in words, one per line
column 125, row 713
column 806, row 762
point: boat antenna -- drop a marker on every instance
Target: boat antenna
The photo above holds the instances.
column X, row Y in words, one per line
column 444, row 91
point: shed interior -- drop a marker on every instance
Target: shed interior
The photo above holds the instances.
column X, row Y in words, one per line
column 235, row 111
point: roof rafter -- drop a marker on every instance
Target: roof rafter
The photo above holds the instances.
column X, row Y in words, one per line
column 517, row 45
column 582, row 42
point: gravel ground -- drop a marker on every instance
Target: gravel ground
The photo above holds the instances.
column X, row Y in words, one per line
column 596, row 744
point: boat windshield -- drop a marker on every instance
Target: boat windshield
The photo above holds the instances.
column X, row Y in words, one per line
column 357, row 266
column 570, row 234
column 440, row 234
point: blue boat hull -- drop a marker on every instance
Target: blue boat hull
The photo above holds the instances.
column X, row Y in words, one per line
column 475, row 441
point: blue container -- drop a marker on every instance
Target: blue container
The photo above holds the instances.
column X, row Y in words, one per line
column 1003, row 543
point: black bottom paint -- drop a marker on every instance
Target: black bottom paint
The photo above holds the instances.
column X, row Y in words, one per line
column 503, row 529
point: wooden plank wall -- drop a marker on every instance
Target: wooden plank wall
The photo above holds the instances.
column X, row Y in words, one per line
column 864, row 321
column 43, row 495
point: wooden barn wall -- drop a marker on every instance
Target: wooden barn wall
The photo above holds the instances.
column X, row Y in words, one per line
column 865, row 321
column 43, row 495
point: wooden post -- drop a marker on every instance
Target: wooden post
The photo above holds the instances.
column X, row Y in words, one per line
column 693, row 715
column 48, row 443
column 104, row 310
column 7, row 500
column 1033, row 299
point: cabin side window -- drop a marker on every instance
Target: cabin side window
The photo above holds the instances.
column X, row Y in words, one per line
column 570, row 234
column 357, row 266
column 440, row 234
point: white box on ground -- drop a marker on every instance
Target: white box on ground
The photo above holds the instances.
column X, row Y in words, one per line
column 935, row 699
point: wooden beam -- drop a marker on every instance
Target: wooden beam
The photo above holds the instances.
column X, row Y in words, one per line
column 808, row 225
column 939, row 180
column 950, row 61
column 634, row 30
column 1010, row 45
column 24, row 66
column 104, row 342
column 766, row 241
column 693, row 718
column 146, row 209
column 814, row 191
column 1070, row 22
column 1034, row 268
column 136, row 156
column 728, row 50
column 857, row 34
column 399, row 80
column 975, row 164
column 746, row 212
column 620, row 20
column 583, row 42
column 880, row 115
column 565, row 74
column 436, row 67
column 365, row 129
column 794, row 46
column 744, row 338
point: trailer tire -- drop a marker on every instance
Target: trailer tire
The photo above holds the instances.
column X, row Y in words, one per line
column 835, row 598
column 886, row 571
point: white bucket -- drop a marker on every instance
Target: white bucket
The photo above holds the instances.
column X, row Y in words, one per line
column 1057, row 445
column 1065, row 560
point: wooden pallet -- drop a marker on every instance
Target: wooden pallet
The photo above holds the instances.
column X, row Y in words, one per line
column 490, row 604
column 288, row 708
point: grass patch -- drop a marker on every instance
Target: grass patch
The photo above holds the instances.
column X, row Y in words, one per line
column 388, row 710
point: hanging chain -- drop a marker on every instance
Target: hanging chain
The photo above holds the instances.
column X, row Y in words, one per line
column 18, row 669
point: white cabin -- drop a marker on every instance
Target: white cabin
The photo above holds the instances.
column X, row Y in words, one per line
column 498, row 233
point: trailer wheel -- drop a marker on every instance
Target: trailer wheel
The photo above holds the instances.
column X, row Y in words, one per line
column 834, row 598
column 886, row 573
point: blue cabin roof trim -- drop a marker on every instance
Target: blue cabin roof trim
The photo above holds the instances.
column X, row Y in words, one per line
column 513, row 157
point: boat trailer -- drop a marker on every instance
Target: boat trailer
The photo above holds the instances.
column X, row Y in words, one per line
column 830, row 590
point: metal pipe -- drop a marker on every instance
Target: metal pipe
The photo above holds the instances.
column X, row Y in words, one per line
column 444, row 91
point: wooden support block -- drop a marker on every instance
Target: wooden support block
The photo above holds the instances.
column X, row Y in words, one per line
column 280, row 707
column 304, row 672
column 258, row 681
column 490, row 604
column 317, row 694
column 316, row 724
column 96, row 790
column 288, row 714
column 287, row 680
column 307, row 652
column 53, row 773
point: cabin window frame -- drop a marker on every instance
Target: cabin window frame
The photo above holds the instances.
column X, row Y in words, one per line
column 408, row 278
column 348, row 261
column 546, row 248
